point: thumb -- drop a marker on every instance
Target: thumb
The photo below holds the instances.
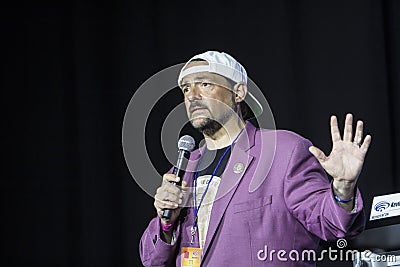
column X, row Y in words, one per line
column 317, row 153
column 185, row 193
column 184, row 184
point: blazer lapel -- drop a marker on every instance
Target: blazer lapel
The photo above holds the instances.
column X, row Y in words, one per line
column 235, row 169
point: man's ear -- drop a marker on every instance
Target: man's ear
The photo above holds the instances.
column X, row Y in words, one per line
column 240, row 90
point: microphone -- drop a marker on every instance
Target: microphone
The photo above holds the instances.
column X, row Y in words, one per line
column 185, row 145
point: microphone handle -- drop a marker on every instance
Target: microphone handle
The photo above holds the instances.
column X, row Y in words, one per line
column 179, row 171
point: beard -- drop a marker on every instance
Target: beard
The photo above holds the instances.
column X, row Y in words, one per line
column 209, row 126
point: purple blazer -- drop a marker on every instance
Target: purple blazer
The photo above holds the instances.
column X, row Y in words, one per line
column 273, row 195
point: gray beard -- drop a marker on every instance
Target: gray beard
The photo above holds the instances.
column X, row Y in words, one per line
column 210, row 126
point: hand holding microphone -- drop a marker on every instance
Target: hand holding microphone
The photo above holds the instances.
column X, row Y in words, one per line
column 169, row 196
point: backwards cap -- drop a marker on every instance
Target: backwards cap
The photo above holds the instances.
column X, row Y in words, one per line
column 225, row 65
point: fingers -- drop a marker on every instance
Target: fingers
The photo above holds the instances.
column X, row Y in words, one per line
column 168, row 193
column 365, row 145
column 335, row 130
column 165, row 205
column 169, row 196
column 359, row 132
column 170, row 177
column 348, row 133
column 321, row 157
column 348, row 128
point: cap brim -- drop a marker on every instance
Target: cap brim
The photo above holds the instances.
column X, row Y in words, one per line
column 253, row 104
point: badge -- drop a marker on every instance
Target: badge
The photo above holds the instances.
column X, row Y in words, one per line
column 190, row 257
column 238, row 168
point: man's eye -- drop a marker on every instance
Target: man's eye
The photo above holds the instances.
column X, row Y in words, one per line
column 205, row 84
column 185, row 89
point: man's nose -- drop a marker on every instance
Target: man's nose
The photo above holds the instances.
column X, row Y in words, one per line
column 194, row 93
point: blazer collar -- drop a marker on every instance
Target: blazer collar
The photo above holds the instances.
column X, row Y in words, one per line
column 245, row 141
column 232, row 176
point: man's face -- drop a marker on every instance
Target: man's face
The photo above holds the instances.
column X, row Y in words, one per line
column 209, row 103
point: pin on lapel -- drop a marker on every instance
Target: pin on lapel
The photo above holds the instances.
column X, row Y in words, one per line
column 238, row 168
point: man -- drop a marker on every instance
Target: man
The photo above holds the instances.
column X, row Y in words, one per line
column 232, row 222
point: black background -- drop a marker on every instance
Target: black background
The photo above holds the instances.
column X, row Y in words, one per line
column 71, row 68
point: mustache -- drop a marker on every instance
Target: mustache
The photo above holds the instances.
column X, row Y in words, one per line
column 196, row 105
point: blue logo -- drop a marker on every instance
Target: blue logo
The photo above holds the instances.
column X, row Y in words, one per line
column 381, row 206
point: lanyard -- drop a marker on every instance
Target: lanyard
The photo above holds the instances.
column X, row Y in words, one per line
column 197, row 208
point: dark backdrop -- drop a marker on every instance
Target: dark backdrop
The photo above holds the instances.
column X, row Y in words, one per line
column 70, row 69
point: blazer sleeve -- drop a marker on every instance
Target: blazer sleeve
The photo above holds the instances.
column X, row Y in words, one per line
column 309, row 197
column 153, row 250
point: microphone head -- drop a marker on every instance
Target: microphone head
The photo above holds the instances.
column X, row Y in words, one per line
column 186, row 143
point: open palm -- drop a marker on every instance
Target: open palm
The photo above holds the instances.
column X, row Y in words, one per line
column 346, row 159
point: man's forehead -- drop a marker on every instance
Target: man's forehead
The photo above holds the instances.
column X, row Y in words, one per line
column 202, row 76
column 205, row 76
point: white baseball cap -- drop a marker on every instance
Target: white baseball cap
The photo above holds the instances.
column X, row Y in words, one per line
column 225, row 65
